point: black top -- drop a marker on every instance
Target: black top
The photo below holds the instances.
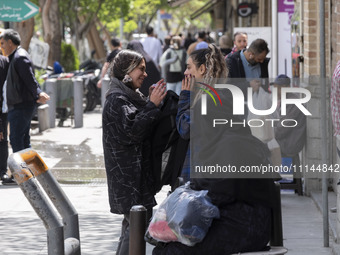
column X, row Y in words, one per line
column 112, row 55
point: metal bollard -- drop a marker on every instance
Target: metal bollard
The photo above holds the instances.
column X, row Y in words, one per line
column 43, row 117
column 137, row 230
column 104, row 89
column 51, row 90
column 78, row 94
column 24, row 165
column 37, row 199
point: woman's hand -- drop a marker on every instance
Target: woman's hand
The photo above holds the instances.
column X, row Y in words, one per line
column 188, row 82
column 158, row 92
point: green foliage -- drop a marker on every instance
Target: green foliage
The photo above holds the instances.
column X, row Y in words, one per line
column 144, row 11
column 69, row 57
column 38, row 73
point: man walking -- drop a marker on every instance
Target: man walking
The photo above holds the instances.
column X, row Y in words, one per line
column 22, row 91
column 152, row 46
column 3, row 123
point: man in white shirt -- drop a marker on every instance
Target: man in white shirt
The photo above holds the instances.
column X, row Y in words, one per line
column 152, row 46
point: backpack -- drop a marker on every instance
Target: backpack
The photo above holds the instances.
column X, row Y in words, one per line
column 168, row 149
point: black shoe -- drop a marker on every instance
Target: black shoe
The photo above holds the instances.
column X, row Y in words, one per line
column 6, row 180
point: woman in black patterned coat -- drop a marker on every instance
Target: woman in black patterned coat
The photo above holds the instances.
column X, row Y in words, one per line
column 127, row 120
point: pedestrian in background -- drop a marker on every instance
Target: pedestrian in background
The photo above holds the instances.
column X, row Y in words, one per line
column 174, row 73
column 152, row 46
column 225, row 44
column 201, row 38
column 127, row 123
column 335, row 99
column 251, row 64
column 188, row 40
column 23, row 91
column 115, row 48
column 240, row 42
column 3, row 122
column 167, row 42
column 151, row 68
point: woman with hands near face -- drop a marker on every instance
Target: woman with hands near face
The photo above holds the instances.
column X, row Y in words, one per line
column 128, row 117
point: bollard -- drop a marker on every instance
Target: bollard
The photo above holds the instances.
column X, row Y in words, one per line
column 104, row 89
column 78, row 94
column 24, row 165
column 51, row 90
column 43, row 117
column 37, row 199
column 137, row 230
column 277, row 232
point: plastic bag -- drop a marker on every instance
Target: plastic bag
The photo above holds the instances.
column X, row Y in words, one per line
column 184, row 216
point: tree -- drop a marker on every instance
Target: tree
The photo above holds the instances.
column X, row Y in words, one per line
column 51, row 28
column 26, row 30
column 142, row 12
column 88, row 14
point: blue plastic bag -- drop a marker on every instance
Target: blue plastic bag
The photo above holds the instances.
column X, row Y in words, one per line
column 184, row 216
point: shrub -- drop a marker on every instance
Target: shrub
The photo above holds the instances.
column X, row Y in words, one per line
column 69, row 57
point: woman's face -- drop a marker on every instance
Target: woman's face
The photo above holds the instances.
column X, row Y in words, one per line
column 138, row 75
column 193, row 70
column 241, row 41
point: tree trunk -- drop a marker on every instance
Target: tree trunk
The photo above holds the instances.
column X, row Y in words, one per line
column 51, row 28
column 25, row 30
column 96, row 43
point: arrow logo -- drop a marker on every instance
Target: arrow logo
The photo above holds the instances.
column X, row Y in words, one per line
column 32, row 8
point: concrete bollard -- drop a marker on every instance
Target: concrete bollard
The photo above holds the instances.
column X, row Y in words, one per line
column 78, row 94
column 137, row 230
column 105, row 88
column 43, row 117
column 51, row 90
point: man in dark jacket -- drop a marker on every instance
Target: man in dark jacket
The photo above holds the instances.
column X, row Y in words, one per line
column 251, row 64
column 23, row 91
column 3, row 124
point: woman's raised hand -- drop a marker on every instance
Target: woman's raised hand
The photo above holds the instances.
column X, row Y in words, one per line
column 158, row 92
column 188, row 82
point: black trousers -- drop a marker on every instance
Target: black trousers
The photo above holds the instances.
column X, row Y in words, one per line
column 3, row 145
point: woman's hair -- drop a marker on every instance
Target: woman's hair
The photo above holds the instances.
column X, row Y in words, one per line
column 124, row 62
column 213, row 60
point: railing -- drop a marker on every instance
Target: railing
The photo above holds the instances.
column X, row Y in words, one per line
column 28, row 168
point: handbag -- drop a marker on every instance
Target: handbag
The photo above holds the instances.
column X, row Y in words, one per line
column 184, row 216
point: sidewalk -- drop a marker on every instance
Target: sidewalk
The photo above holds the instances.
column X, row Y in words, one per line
column 75, row 157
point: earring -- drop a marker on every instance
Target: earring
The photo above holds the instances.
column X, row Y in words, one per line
column 127, row 79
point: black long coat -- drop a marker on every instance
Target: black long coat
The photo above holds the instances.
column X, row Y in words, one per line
column 126, row 142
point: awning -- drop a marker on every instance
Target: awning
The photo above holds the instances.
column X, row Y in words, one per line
column 206, row 8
